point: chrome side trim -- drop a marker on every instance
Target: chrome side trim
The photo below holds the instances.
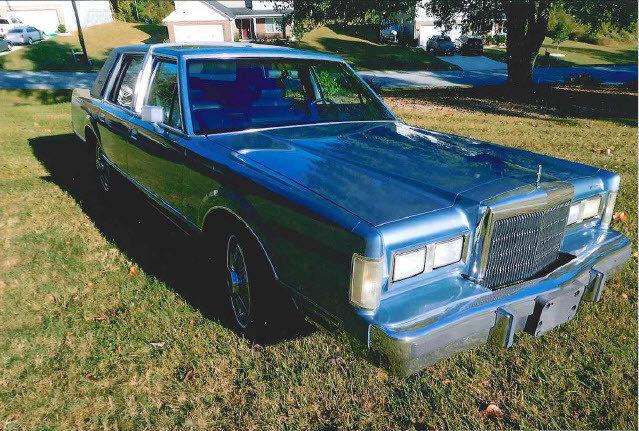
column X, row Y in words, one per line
column 523, row 200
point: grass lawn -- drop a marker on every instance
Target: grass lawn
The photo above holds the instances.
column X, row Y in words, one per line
column 578, row 53
column 89, row 343
column 55, row 54
column 360, row 46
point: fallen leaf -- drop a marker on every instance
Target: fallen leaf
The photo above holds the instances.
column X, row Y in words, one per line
column 621, row 216
column 188, row 375
column 492, row 411
column 100, row 318
column 157, row 345
column 446, row 381
column 485, row 382
column 133, row 270
column 635, row 254
column 257, row 347
column 624, row 296
column 606, row 151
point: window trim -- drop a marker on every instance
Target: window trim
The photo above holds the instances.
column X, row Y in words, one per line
column 154, row 66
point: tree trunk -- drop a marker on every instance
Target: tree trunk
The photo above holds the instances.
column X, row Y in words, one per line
column 526, row 22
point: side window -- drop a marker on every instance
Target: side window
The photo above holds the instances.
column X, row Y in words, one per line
column 124, row 87
column 164, row 92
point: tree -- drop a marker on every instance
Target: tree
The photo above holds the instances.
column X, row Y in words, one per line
column 559, row 33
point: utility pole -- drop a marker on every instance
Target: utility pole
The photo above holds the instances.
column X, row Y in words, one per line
column 80, row 36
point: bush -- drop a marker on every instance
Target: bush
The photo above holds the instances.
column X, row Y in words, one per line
column 500, row 39
column 490, row 40
column 62, row 28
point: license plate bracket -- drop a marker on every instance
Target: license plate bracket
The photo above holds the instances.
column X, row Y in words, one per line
column 555, row 308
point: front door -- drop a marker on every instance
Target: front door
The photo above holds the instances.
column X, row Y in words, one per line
column 156, row 157
column 244, row 26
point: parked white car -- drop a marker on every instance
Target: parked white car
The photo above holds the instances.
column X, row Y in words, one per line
column 7, row 23
column 24, row 35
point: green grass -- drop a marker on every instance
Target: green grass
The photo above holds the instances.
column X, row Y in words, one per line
column 360, row 46
column 578, row 53
column 77, row 328
column 55, row 54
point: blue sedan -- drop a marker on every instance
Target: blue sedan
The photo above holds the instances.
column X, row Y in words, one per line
column 311, row 197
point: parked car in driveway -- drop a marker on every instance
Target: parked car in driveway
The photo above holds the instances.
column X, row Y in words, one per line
column 24, row 35
column 306, row 192
column 471, row 45
column 440, row 44
column 7, row 23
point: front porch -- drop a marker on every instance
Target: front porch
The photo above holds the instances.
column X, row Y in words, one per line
column 260, row 27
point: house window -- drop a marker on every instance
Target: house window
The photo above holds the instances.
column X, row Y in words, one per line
column 273, row 25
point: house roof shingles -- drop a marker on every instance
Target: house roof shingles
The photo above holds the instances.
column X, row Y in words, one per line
column 244, row 11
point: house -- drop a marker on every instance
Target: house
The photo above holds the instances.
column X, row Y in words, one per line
column 425, row 26
column 227, row 21
column 47, row 15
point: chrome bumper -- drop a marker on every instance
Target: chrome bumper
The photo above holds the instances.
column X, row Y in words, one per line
column 496, row 316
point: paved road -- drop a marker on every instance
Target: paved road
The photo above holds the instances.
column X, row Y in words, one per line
column 613, row 74
column 468, row 62
column 45, row 80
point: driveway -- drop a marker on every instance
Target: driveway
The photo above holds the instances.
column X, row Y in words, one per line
column 471, row 62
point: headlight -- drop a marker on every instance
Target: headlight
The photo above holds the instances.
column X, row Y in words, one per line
column 609, row 210
column 447, row 252
column 366, row 282
column 409, row 264
column 425, row 259
column 584, row 210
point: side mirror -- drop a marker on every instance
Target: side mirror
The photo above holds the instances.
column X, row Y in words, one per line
column 152, row 114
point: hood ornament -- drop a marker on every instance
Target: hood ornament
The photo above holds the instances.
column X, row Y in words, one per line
column 538, row 175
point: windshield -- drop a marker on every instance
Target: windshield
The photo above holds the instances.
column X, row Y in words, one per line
column 238, row 94
column 15, row 30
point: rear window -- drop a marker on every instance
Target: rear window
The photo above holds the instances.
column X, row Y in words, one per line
column 15, row 30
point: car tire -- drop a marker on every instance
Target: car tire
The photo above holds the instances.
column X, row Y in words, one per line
column 102, row 170
column 30, row 41
column 9, row 46
column 256, row 304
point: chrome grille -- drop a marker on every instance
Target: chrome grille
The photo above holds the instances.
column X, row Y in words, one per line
column 524, row 245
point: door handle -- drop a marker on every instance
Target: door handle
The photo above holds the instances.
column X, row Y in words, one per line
column 133, row 132
column 101, row 118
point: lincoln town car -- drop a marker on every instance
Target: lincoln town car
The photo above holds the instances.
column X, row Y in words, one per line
column 308, row 196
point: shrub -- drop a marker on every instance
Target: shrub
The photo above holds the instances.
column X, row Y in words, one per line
column 490, row 40
column 62, row 28
column 500, row 39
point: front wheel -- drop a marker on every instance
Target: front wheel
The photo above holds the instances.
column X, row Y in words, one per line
column 30, row 41
column 257, row 305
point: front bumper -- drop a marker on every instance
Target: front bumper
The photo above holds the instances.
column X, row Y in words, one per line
column 496, row 316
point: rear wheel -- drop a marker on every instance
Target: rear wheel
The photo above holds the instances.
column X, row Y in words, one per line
column 30, row 41
column 100, row 167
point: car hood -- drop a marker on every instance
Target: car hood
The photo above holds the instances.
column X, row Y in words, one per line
column 385, row 171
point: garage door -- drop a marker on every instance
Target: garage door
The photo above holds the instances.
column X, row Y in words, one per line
column 202, row 32
column 42, row 19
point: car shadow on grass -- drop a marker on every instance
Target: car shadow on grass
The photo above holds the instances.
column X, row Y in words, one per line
column 127, row 219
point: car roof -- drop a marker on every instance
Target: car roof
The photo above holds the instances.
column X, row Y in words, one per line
column 228, row 49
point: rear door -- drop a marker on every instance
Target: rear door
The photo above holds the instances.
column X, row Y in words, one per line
column 116, row 111
column 156, row 157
